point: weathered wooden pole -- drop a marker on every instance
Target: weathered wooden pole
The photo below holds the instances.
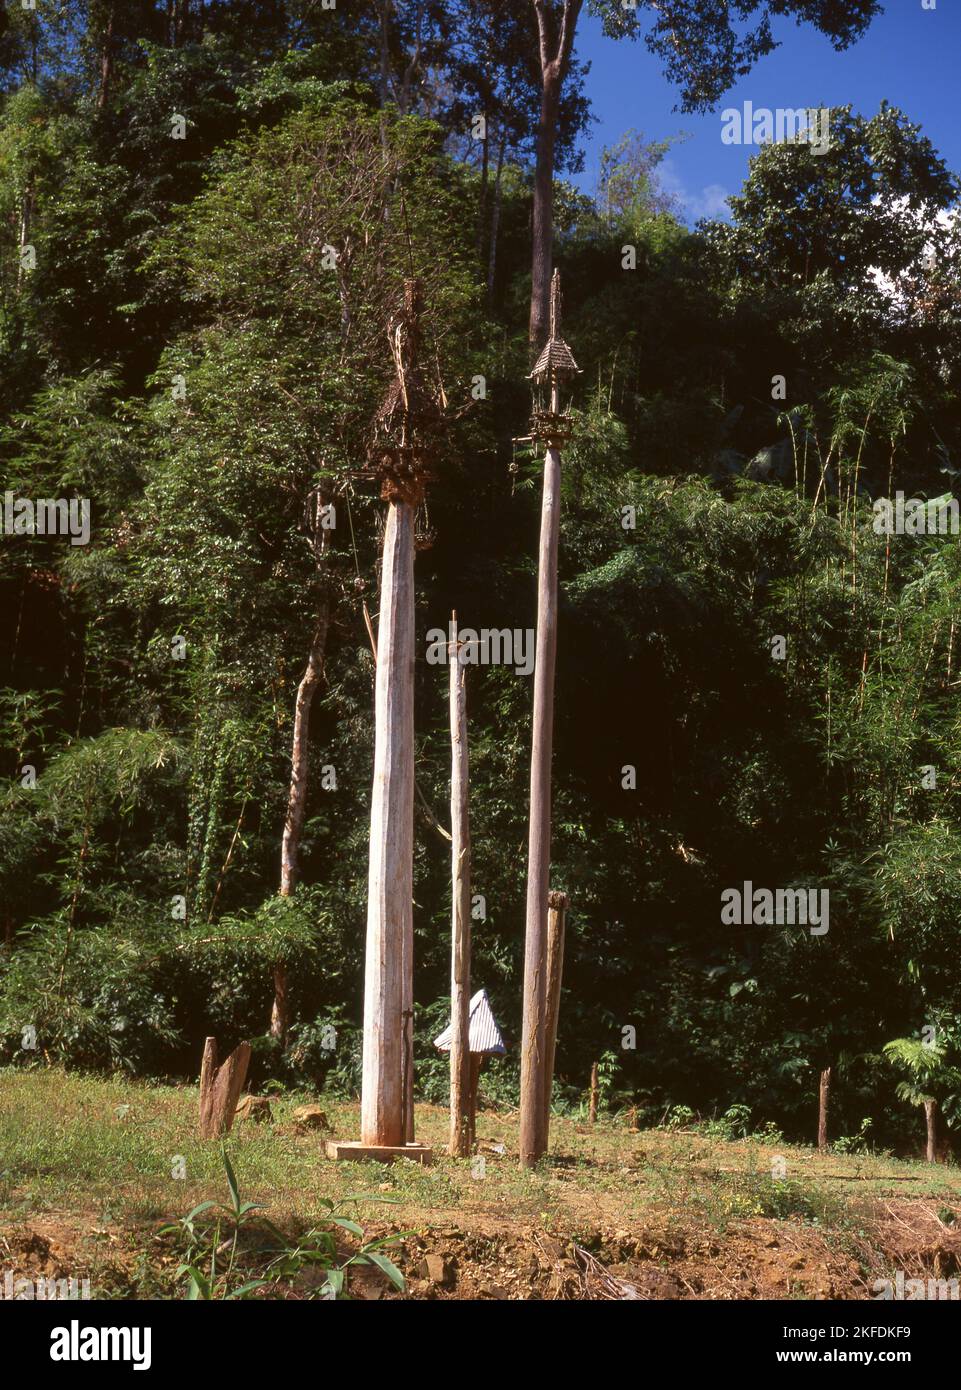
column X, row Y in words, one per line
column 931, row 1123
column 460, row 1065
column 554, row 365
column 220, row 1088
column 406, row 421
column 390, row 925
column 556, row 909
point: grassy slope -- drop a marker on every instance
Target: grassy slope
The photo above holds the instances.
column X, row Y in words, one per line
column 86, row 1178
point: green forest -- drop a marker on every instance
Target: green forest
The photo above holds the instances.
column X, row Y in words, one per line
column 209, row 215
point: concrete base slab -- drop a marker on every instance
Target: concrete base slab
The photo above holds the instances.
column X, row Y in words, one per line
column 353, row 1151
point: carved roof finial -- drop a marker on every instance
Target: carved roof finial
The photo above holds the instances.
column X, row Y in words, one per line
column 556, row 304
column 556, row 362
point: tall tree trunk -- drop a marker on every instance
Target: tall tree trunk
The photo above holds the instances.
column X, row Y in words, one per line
column 297, row 800
column 26, row 219
column 387, row 1083
column 106, row 60
column 482, row 196
column 542, row 223
column 460, row 1069
column 181, row 22
column 495, row 221
column 931, row 1119
column 824, row 1099
column 384, row 8
column 555, row 26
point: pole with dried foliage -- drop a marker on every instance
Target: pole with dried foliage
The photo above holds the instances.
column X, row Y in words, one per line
column 553, row 368
column 402, row 458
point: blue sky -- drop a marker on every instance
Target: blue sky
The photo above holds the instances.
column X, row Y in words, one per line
column 910, row 55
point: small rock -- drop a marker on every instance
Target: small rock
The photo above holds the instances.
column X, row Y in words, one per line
column 255, row 1108
column 310, row 1117
column 437, row 1269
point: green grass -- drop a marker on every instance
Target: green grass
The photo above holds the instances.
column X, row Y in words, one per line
column 95, row 1158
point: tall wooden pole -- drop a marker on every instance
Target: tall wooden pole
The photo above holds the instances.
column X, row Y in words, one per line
column 533, row 1129
column 554, row 365
column 386, row 1090
column 460, row 1068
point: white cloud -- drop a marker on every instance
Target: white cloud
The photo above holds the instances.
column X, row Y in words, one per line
column 711, row 201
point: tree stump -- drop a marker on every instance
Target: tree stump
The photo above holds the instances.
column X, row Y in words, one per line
column 220, row 1088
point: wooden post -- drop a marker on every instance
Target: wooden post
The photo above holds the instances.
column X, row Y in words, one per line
column 400, row 456
column 931, row 1119
column 476, row 1062
column 387, row 1079
column 533, row 1129
column 824, row 1098
column 533, row 1110
column 592, row 1113
column 460, row 1063
column 220, row 1088
column 556, row 908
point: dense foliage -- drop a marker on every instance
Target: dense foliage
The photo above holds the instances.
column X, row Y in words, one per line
column 193, row 336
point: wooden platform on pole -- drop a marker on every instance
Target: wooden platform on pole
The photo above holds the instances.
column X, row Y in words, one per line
column 354, row 1151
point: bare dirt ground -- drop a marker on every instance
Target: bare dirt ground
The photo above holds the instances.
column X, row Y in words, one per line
column 86, row 1185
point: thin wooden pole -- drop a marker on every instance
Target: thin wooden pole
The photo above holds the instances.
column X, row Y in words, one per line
column 460, row 1068
column 595, row 1090
column 533, row 1125
column 824, row 1100
column 476, row 1061
column 556, row 909
column 387, row 1082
